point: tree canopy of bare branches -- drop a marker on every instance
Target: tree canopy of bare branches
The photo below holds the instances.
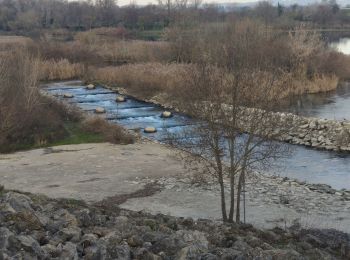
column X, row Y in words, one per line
column 233, row 93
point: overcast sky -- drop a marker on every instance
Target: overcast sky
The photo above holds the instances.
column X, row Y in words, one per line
column 144, row 2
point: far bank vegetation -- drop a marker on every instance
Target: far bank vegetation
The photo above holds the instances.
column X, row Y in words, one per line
column 312, row 67
column 151, row 68
column 159, row 68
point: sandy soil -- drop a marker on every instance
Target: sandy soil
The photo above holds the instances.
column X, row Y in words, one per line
column 90, row 172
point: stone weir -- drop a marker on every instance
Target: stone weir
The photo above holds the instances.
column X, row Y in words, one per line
column 318, row 133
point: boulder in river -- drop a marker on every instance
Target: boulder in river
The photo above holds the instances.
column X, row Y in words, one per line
column 100, row 110
column 120, row 99
column 150, row 129
column 90, row 87
column 166, row 114
column 68, row 95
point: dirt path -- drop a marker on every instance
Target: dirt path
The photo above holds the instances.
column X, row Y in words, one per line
column 147, row 176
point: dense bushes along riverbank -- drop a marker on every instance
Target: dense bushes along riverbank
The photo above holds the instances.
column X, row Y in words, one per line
column 29, row 119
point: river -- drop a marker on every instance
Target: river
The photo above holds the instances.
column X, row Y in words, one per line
column 342, row 45
column 330, row 105
column 310, row 165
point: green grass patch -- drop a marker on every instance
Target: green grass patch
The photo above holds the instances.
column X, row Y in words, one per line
column 150, row 35
column 77, row 136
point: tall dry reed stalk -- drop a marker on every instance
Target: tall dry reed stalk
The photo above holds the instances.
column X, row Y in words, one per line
column 60, row 70
column 143, row 79
column 149, row 79
column 102, row 53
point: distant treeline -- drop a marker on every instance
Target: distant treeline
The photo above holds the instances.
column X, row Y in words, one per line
column 31, row 15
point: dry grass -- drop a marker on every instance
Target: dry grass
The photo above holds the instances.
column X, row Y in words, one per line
column 105, row 33
column 102, row 53
column 147, row 80
column 320, row 83
column 111, row 133
column 113, row 47
column 9, row 42
column 144, row 79
column 335, row 63
column 60, row 70
column 26, row 117
column 134, row 51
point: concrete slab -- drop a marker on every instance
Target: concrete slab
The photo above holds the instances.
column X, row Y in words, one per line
column 86, row 171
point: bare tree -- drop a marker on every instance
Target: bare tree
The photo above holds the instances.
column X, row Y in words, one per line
column 234, row 94
column 196, row 3
column 168, row 4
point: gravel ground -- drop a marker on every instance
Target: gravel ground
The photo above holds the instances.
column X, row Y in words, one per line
column 96, row 172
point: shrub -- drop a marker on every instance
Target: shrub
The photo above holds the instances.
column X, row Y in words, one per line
column 112, row 133
column 26, row 117
column 335, row 63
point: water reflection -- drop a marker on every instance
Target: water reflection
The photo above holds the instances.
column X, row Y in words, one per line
column 343, row 45
column 329, row 105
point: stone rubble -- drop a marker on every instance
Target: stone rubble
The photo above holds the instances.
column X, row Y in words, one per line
column 317, row 133
column 263, row 189
column 35, row 227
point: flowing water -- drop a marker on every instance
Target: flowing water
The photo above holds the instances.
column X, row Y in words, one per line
column 304, row 163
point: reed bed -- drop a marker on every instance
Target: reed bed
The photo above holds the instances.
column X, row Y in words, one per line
column 150, row 79
column 10, row 42
column 135, row 51
column 107, row 53
column 60, row 70
column 143, row 79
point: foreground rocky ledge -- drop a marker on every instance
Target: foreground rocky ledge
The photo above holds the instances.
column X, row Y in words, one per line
column 35, row 227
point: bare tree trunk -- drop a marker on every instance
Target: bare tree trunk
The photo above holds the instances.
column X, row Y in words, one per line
column 222, row 190
column 239, row 192
column 244, row 205
column 232, row 198
column 223, row 203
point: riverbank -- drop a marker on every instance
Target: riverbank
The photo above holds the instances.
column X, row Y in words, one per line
column 148, row 176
